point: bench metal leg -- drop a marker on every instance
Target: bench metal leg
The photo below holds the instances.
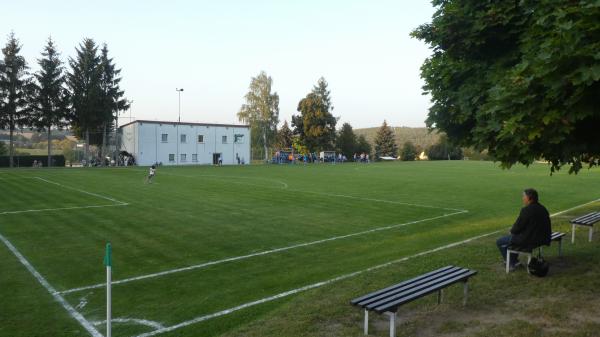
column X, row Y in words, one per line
column 560, row 247
column 508, row 261
column 392, row 323
column 573, row 233
column 465, row 292
column 440, row 296
column 366, row 322
column 591, row 232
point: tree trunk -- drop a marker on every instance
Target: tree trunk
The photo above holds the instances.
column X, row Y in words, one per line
column 87, row 147
column 265, row 144
column 49, row 147
column 11, row 144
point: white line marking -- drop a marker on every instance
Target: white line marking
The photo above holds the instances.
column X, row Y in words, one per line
column 236, row 258
column 81, row 191
column 76, row 315
column 232, row 177
column 285, row 186
column 61, row 208
column 576, row 207
column 307, row 287
column 152, row 324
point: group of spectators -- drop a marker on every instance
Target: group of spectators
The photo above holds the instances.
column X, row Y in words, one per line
column 361, row 158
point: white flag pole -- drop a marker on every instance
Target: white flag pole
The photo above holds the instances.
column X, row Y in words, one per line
column 108, row 264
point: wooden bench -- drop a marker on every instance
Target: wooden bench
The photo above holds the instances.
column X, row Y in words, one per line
column 585, row 220
column 556, row 236
column 386, row 301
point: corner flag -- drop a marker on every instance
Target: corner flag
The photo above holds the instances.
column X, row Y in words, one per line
column 108, row 264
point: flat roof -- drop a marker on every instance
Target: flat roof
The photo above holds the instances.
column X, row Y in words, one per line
column 185, row 123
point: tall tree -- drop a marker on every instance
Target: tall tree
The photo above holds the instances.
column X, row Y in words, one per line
column 385, row 144
column 408, row 152
column 285, row 136
column 113, row 100
column 518, row 78
column 14, row 84
column 346, row 140
column 315, row 125
column 261, row 112
column 49, row 100
column 86, row 93
column 362, row 145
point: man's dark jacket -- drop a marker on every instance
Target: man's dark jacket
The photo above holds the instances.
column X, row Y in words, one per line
column 532, row 228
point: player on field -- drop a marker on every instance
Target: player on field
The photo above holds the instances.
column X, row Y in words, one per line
column 151, row 174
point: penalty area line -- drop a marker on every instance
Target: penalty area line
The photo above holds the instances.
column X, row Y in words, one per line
column 308, row 287
column 266, row 252
column 72, row 312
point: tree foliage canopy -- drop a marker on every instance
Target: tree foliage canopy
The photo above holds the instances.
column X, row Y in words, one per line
column 518, row 78
column 385, row 144
column 261, row 112
column 14, row 84
column 346, row 141
column 408, row 152
column 315, row 125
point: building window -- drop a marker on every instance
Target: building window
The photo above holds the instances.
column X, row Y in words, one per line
column 183, row 138
column 238, row 138
column 200, row 138
column 224, row 139
column 183, row 157
column 164, row 137
column 195, row 157
column 171, row 157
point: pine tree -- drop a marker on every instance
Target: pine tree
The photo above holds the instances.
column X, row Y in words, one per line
column 285, row 136
column 316, row 124
column 346, row 141
column 385, row 144
column 261, row 111
column 14, row 83
column 49, row 98
column 86, row 93
column 113, row 99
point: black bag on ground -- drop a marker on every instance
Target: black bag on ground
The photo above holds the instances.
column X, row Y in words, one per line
column 538, row 267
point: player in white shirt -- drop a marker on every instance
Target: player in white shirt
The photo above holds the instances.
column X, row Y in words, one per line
column 151, row 174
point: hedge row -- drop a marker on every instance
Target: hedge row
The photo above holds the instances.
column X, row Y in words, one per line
column 27, row 161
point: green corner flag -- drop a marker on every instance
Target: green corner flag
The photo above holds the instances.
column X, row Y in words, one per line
column 108, row 256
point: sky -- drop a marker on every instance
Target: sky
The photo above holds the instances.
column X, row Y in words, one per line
column 212, row 49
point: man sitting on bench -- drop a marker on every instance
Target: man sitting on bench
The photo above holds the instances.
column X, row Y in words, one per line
column 532, row 228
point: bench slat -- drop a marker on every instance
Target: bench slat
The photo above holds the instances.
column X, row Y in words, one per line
column 358, row 300
column 416, row 285
column 588, row 219
column 427, row 291
column 556, row 236
column 435, row 285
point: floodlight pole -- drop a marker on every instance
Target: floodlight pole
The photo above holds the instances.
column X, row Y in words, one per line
column 178, row 122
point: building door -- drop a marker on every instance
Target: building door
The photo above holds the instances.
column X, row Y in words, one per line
column 216, row 157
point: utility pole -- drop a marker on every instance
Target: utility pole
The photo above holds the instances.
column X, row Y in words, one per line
column 178, row 122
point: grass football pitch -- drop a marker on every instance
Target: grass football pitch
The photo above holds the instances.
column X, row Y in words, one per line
column 204, row 250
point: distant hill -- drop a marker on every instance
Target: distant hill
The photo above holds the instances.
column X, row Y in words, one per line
column 421, row 137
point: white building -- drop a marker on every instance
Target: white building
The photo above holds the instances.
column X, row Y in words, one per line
column 178, row 143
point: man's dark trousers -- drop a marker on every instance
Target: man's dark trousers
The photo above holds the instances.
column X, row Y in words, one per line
column 503, row 244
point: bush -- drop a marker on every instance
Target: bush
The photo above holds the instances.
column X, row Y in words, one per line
column 408, row 152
